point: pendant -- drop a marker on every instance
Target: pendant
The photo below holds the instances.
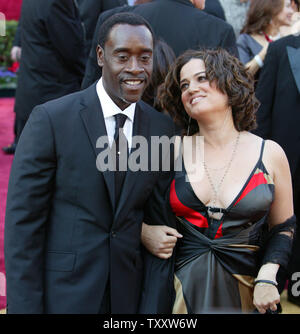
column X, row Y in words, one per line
column 214, row 213
column 212, row 210
column 209, row 210
column 210, row 214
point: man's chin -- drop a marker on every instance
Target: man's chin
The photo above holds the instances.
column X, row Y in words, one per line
column 129, row 99
column 133, row 93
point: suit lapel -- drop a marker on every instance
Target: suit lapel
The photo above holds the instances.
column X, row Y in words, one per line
column 140, row 128
column 92, row 117
column 294, row 56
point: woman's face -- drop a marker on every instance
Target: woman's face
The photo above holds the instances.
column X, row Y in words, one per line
column 284, row 18
column 198, row 96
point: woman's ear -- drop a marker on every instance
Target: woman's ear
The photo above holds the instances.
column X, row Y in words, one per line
column 100, row 55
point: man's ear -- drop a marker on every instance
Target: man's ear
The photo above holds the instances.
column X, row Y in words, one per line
column 100, row 55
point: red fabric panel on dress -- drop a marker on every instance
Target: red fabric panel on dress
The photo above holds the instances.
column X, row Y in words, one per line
column 181, row 210
column 256, row 180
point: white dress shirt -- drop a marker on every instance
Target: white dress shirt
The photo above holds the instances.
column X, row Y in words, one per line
column 109, row 109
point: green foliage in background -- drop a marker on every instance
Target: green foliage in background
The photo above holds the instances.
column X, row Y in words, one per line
column 6, row 43
column 8, row 80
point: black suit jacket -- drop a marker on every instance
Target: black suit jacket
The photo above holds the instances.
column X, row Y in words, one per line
column 64, row 237
column 52, row 62
column 278, row 117
column 89, row 11
column 215, row 8
column 178, row 23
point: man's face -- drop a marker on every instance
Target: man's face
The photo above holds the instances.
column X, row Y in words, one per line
column 126, row 62
column 200, row 4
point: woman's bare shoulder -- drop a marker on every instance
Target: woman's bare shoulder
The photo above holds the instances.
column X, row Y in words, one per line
column 274, row 150
column 275, row 159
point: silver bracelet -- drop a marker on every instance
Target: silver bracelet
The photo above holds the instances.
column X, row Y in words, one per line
column 259, row 61
column 264, row 281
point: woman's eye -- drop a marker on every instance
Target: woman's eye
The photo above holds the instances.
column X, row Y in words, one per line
column 202, row 78
column 183, row 86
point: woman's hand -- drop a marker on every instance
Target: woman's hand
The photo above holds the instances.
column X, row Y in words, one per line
column 159, row 240
column 15, row 53
column 265, row 297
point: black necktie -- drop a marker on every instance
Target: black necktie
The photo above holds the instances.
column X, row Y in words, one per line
column 121, row 154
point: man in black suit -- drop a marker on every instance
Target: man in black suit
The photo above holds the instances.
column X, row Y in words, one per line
column 278, row 119
column 215, row 8
column 180, row 23
column 89, row 11
column 72, row 235
column 52, row 62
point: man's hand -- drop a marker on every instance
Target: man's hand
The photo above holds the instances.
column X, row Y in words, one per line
column 159, row 239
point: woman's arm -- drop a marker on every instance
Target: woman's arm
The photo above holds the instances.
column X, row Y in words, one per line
column 253, row 65
column 266, row 295
column 160, row 239
column 276, row 162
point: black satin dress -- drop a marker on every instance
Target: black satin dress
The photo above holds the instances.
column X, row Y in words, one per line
column 216, row 260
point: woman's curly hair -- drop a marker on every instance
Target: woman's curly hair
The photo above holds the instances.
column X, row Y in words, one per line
column 230, row 77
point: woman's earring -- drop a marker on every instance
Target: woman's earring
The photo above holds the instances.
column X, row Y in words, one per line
column 189, row 125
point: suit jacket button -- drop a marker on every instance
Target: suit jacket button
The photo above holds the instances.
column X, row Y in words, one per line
column 113, row 234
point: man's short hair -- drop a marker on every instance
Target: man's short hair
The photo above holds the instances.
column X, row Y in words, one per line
column 122, row 18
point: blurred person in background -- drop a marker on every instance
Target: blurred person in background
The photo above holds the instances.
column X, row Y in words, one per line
column 294, row 28
column 138, row 2
column 278, row 119
column 264, row 19
column 215, row 8
column 15, row 55
column 163, row 57
column 235, row 13
column 212, row 7
column 89, row 11
column 52, row 62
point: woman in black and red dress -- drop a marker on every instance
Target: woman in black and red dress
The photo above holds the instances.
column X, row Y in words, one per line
column 231, row 194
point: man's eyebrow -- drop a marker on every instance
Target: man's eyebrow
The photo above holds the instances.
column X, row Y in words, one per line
column 123, row 49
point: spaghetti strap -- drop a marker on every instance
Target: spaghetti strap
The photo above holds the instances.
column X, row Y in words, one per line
column 179, row 166
column 181, row 146
column 178, row 152
column 261, row 150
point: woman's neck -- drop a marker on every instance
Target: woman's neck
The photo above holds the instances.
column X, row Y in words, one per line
column 272, row 30
column 218, row 134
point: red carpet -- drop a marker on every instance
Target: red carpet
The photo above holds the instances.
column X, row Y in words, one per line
column 11, row 9
column 7, row 117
